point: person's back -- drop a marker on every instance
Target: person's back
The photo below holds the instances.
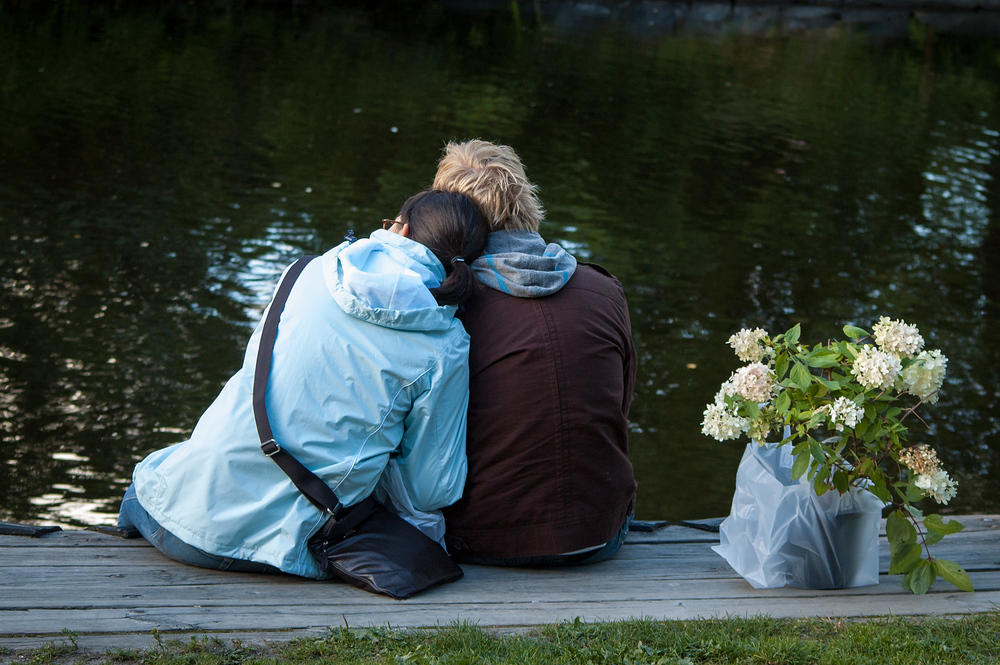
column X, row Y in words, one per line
column 368, row 364
column 552, row 368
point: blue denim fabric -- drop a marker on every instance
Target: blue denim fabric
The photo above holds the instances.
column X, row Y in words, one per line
column 133, row 515
column 552, row 561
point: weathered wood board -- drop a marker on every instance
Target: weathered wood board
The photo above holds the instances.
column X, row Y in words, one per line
column 112, row 592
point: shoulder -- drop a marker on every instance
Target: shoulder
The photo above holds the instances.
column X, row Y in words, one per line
column 451, row 345
column 595, row 279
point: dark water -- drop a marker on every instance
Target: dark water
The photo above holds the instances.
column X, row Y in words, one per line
column 160, row 165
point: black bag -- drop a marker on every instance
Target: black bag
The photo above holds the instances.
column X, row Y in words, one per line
column 383, row 553
column 366, row 544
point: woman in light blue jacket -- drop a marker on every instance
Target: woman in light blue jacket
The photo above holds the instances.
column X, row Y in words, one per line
column 369, row 362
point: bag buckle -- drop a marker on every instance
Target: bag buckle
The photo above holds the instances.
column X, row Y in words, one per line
column 270, row 448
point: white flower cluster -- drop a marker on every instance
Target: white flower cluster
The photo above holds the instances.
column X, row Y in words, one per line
column 753, row 382
column 931, row 478
column 727, row 389
column 876, row 369
column 938, row 486
column 900, row 339
column 721, row 422
column 749, row 344
column 925, row 375
column 843, row 413
column 882, row 369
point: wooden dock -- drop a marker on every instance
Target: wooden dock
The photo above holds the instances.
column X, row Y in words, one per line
column 112, row 592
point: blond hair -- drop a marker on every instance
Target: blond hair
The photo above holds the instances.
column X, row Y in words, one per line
column 493, row 176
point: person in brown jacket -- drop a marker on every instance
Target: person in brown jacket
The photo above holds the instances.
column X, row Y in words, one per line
column 552, row 368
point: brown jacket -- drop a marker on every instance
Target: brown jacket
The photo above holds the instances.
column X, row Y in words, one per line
column 550, row 386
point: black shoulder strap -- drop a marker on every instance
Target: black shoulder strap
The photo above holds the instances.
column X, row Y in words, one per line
column 314, row 489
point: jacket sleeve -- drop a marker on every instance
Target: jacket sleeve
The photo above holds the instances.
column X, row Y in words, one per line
column 432, row 457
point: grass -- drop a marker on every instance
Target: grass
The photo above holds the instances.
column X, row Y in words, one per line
column 760, row 641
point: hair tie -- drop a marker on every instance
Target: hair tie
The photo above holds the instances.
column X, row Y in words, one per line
column 457, row 259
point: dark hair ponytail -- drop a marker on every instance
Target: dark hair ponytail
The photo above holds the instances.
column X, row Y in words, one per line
column 452, row 227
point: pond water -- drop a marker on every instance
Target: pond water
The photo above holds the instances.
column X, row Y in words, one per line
column 160, row 166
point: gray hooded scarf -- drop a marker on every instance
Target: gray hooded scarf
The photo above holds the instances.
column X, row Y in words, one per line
column 521, row 264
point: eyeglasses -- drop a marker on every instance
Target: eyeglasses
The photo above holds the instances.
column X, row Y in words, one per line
column 387, row 223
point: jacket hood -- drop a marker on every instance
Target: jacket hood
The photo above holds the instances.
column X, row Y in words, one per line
column 519, row 263
column 386, row 279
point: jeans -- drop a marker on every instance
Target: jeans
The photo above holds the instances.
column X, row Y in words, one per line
column 133, row 515
column 603, row 553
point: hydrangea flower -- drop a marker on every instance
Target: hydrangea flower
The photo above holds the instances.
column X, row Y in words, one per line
column 938, row 486
column 925, row 375
column 727, row 389
column 921, row 459
column 898, row 338
column 875, row 368
column 843, row 413
column 722, row 424
column 753, row 382
column 749, row 344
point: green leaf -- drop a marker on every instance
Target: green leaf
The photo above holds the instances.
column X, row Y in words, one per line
column 861, row 428
column 843, row 379
column 899, row 531
column 822, row 358
column 783, row 402
column 954, row 573
column 816, row 450
column 799, row 466
column 847, row 350
column 832, row 385
column 840, row 481
column 872, row 432
column 913, row 493
column 922, row 577
column 879, row 488
column 937, row 524
column 819, row 483
column 781, row 366
column 753, row 411
column 792, row 336
column 800, row 376
column 932, row 538
column 854, row 332
column 905, row 560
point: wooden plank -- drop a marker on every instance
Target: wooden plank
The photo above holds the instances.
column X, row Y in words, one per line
column 591, row 588
column 977, row 548
column 72, row 538
column 93, row 583
column 426, row 613
column 671, row 534
column 637, row 565
column 101, row 643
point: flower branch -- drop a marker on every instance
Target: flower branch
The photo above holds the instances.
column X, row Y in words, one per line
column 840, row 407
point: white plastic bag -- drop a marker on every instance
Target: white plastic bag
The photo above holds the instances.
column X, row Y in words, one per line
column 391, row 492
column 779, row 532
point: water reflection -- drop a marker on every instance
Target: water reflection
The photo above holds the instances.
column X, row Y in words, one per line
column 159, row 168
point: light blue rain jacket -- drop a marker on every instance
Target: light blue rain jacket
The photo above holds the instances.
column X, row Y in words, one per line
column 365, row 363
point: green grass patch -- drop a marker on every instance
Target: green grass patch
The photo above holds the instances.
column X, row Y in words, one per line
column 757, row 641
